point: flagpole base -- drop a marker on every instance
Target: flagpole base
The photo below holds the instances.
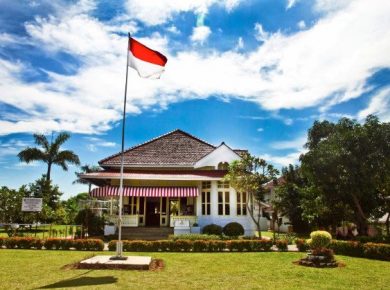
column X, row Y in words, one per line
column 119, row 251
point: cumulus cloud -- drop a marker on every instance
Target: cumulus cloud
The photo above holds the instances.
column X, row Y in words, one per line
column 261, row 34
column 200, row 34
column 301, row 24
column 291, row 3
column 153, row 12
column 379, row 105
column 325, row 64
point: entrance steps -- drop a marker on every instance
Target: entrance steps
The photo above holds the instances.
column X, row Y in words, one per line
column 146, row 233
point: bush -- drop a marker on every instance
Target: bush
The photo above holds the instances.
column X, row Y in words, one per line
column 319, row 239
column 200, row 246
column 233, row 229
column 282, row 245
column 2, row 242
column 194, row 237
column 347, row 248
column 90, row 221
column 302, row 245
column 377, row 251
column 212, row 229
column 327, row 253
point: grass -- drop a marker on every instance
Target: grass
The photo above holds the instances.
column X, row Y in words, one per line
column 32, row 269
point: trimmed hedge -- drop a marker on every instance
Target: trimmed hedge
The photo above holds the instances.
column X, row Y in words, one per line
column 282, row 245
column 319, row 239
column 212, row 229
column 233, row 229
column 194, row 237
column 357, row 249
column 194, row 246
column 302, row 245
column 52, row 244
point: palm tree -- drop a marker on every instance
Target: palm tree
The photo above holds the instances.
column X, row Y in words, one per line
column 86, row 169
column 50, row 152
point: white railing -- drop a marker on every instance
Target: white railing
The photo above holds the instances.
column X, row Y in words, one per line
column 127, row 220
column 191, row 218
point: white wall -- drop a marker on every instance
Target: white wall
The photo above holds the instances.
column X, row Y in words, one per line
column 214, row 218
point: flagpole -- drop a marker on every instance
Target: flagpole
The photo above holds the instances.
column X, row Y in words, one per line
column 119, row 245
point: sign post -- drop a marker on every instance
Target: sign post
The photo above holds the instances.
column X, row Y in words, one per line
column 32, row 204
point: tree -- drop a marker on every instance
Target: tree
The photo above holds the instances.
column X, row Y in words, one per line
column 249, row 174
column 11, row 204
column 289, row 196
column 86, row 169
column 72, row 205
column 50, row 153
column 348, row 164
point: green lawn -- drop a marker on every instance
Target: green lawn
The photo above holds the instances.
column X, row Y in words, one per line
column 32, row 269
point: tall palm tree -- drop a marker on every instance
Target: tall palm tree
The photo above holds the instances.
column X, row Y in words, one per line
column 86, row 169
column 50, row 152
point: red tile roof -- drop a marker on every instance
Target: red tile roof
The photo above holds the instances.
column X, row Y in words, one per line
column 176, row 148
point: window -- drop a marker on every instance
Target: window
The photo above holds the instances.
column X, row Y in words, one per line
column 223, row 166
column 205, row 202
column 223, row 184
column 241, row 203
column 206, row 184
column 223, row 203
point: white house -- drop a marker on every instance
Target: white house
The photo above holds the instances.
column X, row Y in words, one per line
column 174, row 177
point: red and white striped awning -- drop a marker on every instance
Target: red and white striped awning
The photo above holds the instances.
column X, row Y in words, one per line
column 148, row 191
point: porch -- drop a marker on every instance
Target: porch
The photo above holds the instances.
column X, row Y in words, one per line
column 151, row 206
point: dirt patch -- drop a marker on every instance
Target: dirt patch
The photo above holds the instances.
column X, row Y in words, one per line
column 305, row 263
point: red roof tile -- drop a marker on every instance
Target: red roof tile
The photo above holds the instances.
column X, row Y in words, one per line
column 176, row 149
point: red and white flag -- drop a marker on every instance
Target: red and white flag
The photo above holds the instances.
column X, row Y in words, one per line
column 147, row 62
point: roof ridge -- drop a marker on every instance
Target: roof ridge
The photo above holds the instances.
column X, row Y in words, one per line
column 154, row 139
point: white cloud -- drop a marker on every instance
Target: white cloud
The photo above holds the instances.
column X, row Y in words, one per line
column 240, row 44
column 200, row 34
column 327, row 63
column 290, row 144
column 173, row 29
column 301, row 24
column 261, row 34
column 291, row 3
column 283, row 160
column 330, row 5
column 153, row 12
column 260, row 129
column 379, row 106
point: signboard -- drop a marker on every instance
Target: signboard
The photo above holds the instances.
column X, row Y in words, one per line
column 32, row 204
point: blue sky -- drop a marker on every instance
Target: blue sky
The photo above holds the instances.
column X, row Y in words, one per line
column 254, row 73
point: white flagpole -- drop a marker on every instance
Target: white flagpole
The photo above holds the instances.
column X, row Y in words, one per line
column 119, row 245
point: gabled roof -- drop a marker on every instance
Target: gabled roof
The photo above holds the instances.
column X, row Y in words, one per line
column 174, row 149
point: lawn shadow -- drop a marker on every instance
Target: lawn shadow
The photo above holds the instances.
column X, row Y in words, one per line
column 82, row 281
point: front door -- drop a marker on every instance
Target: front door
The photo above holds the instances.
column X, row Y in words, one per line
column 153, row 212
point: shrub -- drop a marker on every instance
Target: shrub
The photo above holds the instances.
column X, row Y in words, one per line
column 282, row 245
column 377, row 251
column 302, row 245
column 200, row 246
column 327, row 253
column 212, row 229
column 93, row 223
column 2, row 242
column 194, row 237
column 183, row 245
column 319, row 239
column 233, row 229
column 348, row 248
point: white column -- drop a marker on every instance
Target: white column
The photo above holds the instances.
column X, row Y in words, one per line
column 198, row 201
column 214, row 199
column 233, row 202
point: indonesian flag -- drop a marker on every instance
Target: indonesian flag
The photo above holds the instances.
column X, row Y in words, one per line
column 147, row 62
